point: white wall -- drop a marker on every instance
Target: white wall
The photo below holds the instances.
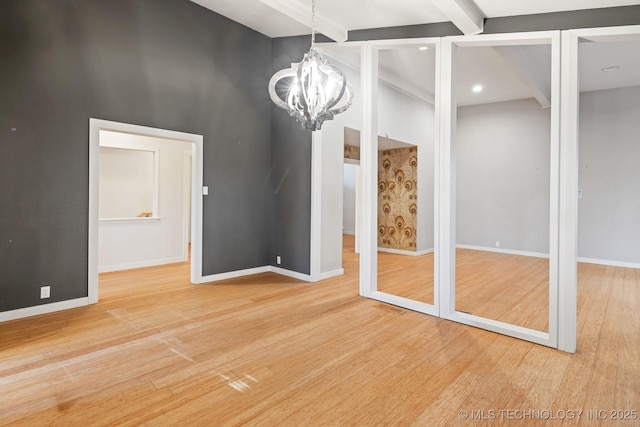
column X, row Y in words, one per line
column 127, row 182
column 502, row 173
column 349, row 199
column 609, row 210
column 503, row 166
column 148, row 241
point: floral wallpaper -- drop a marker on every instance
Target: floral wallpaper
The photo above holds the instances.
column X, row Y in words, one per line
column 397, row 198
column 351, row 152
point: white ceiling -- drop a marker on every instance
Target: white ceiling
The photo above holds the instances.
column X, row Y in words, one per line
column 506, row 73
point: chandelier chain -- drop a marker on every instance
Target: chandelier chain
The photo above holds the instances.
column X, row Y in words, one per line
column 313, row 24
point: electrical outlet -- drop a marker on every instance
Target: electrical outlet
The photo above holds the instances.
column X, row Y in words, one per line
column 45, row 292
column 497, row 244
column 278, row 260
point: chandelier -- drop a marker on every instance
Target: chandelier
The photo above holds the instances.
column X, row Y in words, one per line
column 313, row 90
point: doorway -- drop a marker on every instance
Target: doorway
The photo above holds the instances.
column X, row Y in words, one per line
column 98, row 127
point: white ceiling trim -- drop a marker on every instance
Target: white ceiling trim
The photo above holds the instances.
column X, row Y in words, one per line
column 302, row 13
column 464, row 14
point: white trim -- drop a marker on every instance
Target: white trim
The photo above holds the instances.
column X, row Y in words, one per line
column 270, row 269
column 369, row 171
column 504, row 251
column 437, row 171
column 132, row 219
column 611, row 263
column 407, row 303
column 504, row 39
column 352, row 161
column 508, row 329
column 43, row 309
column 187, row 165
column 315, row 251
column 289, row 273
column 142, row 264
column 369, row 162
column 568, row 274
column 448, row 188
column 234, row 274
column 554, row 190
column 403, row 252
column 447, row 180
column 95, row 126
column 608, row 34
column 330, row 274
column 568, row 220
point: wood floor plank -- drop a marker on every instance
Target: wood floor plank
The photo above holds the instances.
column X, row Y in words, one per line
column 271, row 350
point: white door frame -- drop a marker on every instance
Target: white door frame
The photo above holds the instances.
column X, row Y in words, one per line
column 448, row 190
column 369, row 170
column 95, row 126
column 569, row 166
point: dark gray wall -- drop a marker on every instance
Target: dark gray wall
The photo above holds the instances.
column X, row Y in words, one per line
column 606, row 17
column 290, row 213
column 163, row 63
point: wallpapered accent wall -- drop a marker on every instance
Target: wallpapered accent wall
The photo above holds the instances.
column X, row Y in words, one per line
column 351, row 152
column 397, row 198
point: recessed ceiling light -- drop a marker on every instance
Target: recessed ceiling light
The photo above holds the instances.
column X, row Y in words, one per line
column 423, row 48
column 611, row 68
column 477, row 89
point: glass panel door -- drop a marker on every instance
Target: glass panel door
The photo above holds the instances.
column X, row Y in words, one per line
column 405, row 166
column 504, row 184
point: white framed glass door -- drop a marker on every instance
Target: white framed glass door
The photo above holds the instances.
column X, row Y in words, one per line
column 398, row 160
column 500, row 183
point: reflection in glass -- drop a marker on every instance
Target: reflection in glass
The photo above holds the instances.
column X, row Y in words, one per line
column 503, row 183
column 405, row 172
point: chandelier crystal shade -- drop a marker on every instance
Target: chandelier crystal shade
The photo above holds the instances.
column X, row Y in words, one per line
column 312, row 90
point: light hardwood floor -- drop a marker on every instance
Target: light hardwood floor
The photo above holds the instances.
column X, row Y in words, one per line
column 520, row 297
column 269, row 350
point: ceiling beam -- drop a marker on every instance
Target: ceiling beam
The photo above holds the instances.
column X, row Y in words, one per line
column 529, row 73
column 302, row 13
column 464, row 14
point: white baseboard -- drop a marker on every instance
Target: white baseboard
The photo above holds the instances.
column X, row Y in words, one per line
column 289, row 273
column 609, row 262
column 141, row 264
column 272, row 269
column 404, row 252
column 234, row 274
column 79, row 302
column 42, row 309
column 329, row 274
column 504, row 251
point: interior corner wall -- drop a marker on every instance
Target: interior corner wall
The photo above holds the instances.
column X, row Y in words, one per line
column 608, row 226
column 502, row 180
column 172, row 65
column 290, row 177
